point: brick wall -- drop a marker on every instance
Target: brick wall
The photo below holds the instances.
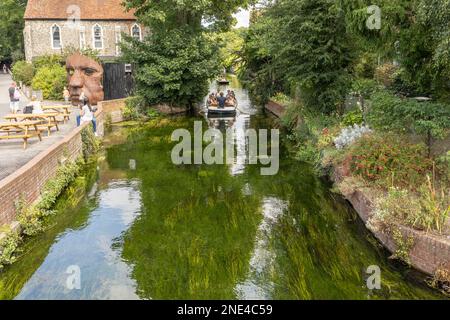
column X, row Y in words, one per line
column 113, row 109
column 275, row 108
column 28, row 181
column 429, row 253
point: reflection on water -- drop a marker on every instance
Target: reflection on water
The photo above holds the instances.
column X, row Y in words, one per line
column 148, row 229
column 263, row 258
column 95, row 249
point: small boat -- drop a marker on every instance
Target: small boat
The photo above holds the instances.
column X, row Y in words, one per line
column 223, row 81
column 228, row 111
column 214, row 111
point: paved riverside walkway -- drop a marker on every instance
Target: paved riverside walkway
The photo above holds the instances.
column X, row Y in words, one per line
column 12, row 155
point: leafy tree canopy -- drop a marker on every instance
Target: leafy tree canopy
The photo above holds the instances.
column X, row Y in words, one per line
column 11, row 28
column 176, row 61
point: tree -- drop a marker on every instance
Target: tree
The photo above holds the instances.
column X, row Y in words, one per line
column 415, row 33
column 176, row 61
column 11, row 28
column 231, row 43
column 172, row 69
column 303, row 43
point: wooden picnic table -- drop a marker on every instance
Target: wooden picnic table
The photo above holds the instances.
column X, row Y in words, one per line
column 47, row 120
column 64, row 110
column 20, row 130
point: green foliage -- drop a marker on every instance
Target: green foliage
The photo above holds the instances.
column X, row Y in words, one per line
column 365, row 87
column 404, row 245
column 302, row 42
column 48, row 60
column 259, row 73
column 134, row 107
column 88, row 52
column 391, row 113
column 413, row 32
column 281, row 98
column 386, row 74
column 8, row 249
column 365, row 66
column 51, row 80
column 173, row 68
column 351, row 118
column 426, row 210
column 11, row 29
column 90, row 144
column 389, row 160
column 31, row 217
column 23, row 72
column 443, row 167
column 231, row 44
column 175, row 64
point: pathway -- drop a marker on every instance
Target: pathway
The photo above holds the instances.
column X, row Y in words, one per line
column 12, row 155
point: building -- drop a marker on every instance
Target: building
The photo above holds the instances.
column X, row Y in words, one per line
column 52, row 25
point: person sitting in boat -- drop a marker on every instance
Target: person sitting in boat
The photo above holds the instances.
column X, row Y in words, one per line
column 221, row 100
column 231, row 99
column 212, row 101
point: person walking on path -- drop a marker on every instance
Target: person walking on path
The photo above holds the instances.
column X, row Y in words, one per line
column 66, row 95
column 14, row 97
column 87, row 114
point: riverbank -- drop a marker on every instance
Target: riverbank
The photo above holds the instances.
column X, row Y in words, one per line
column 226, row 233
column 425, row 250
column 29, row 193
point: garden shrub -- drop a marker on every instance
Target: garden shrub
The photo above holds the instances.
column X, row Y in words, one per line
column 351, row 118
column 51, row 80
column 9, row 246
column 31, row 217
column 48, row 60
column 428, row 209
column 391, row 113
column 366, row 65
column 134, row 107
column 281, row 99
column 385, row 74
column 23, row 72
column 366, row 87
column 90, row 144
column 389, row 160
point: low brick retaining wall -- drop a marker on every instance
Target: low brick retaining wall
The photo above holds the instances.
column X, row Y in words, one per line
column 28, row 181
column 429, row 252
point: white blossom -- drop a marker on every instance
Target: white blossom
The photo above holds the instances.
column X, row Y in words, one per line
column 350, row 134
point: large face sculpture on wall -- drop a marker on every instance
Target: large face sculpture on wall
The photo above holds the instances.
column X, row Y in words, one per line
column 84, row 74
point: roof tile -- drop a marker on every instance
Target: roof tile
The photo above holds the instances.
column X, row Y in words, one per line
column 89, row 9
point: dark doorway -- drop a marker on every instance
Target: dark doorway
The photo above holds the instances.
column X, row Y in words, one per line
column 117, row 80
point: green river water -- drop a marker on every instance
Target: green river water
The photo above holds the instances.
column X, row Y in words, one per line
column 139, row 227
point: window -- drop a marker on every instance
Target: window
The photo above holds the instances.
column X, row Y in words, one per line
column 136, row 32
column 118, row 40
column 82, row 38
column 97, row 36
column 56, row 37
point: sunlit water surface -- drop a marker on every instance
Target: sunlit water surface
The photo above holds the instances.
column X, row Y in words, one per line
column 138, row 227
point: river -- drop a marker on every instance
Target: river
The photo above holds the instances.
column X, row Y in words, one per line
column 136, row 226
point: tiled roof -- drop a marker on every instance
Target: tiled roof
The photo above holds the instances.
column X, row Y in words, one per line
column 89, row 9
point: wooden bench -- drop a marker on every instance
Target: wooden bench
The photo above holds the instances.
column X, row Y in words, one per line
column 20, row 130
column 62, row 110
column 47, row 120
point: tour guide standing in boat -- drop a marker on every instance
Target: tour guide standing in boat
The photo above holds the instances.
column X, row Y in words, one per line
column 221, row 99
